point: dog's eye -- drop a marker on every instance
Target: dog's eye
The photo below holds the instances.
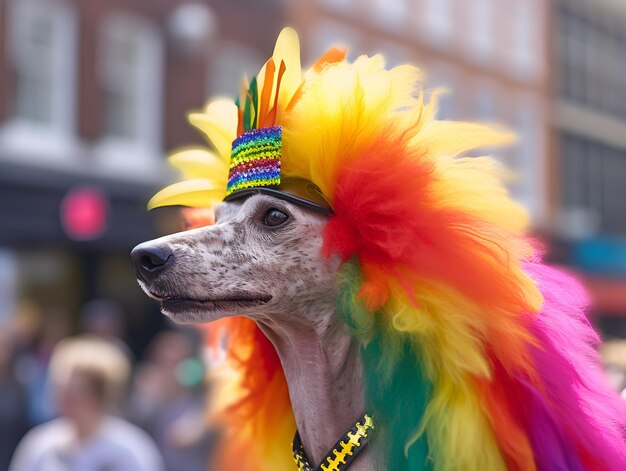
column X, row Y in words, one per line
column 274, row 217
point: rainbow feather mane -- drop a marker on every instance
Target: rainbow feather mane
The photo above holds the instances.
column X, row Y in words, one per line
column 477, row 356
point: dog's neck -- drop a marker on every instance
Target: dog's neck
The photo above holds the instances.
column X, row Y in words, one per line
column 324, row 373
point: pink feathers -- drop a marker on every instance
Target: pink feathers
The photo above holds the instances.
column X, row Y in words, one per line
column 576, row 403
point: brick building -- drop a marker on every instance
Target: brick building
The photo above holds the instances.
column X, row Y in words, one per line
column 491, row 55
column 93, row 94
column 589, row 231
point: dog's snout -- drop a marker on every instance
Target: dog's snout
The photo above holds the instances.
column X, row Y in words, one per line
column 150, row 261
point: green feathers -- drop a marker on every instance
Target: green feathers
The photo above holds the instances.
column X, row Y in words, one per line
column 250, row 112
column 396, row 393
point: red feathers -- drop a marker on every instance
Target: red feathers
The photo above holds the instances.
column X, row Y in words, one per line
column 387, row 213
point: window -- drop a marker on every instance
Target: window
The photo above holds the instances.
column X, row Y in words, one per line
column 230, row 64
column 485, row 102
column 483, row 105
column 395, row 53
column 130, row 77
column 529, row 161
column 390, row 13
column 329, row 33
column 443, row 76
column 340, row 5
column 482, row 30
column 593, row 181
column 8, row 284
column 592, row 62
column 574, row 167
column 42, row 40
column 592, row 53
column 572, row 44
column 438, row 20
column 527, row 39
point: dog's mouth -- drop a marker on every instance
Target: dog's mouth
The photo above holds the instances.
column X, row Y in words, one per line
column 172, row 303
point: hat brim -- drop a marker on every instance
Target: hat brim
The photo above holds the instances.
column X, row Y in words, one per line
column 276, row 192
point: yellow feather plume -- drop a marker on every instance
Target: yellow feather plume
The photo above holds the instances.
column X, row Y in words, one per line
column 196, row 193
column 218, row 122
column 339, row 114
column 200, row 163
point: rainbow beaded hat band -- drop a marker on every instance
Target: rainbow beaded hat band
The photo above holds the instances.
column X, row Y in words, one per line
column 255, row 159
column 255, row 168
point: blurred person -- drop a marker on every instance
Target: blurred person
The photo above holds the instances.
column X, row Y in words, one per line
column 103, row 318
column 613, row 354
column 26, row 323
column 13, row 405
column 168, row 401
column 36, row 334
column 88, row 376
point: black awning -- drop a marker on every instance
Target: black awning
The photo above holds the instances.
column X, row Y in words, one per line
column 30, row 202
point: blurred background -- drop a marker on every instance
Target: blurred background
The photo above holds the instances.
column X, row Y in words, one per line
column 94, row 94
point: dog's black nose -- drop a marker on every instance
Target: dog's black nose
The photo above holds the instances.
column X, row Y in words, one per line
column 150, row 261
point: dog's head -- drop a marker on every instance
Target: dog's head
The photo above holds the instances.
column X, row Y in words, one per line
column 261, row 259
